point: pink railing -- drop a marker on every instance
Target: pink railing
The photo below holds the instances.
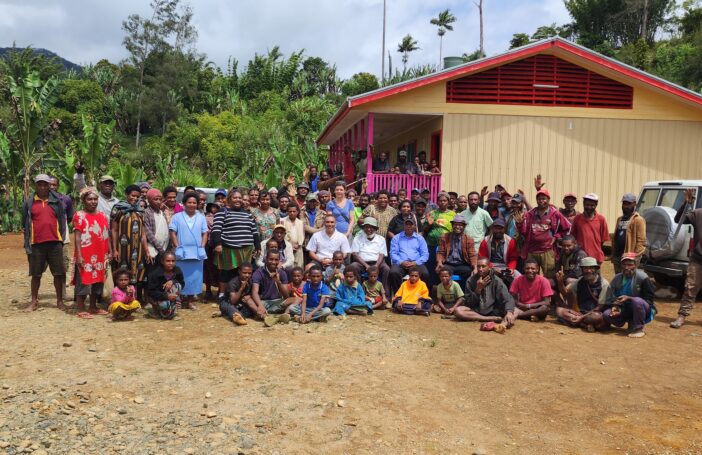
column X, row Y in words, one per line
column 393, row 182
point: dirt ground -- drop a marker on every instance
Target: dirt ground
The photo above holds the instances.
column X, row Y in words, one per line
column 380, row 384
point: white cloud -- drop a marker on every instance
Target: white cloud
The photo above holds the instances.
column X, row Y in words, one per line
column 345, row 32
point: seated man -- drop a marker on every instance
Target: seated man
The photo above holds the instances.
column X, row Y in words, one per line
column 501, row 250
column 584, row 297
column 630, row 298
column 408, row 250
column 532, row 293
column 369, row 249
column 567, row 265
column 457, row 250
column 323, row 244
column 487, row 299
column 269, row 289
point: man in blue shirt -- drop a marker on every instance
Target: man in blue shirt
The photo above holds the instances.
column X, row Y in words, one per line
column 407, row 249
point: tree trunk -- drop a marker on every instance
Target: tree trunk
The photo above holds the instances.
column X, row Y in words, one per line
column 644, row 25
column 480, row 11
column 441, row 61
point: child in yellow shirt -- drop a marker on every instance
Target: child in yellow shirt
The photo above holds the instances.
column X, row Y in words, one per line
column 413, row 296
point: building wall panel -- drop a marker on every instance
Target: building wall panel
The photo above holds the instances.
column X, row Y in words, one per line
column 422, row 134
column 605, row 156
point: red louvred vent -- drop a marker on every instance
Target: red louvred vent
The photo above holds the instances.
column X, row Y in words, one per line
column 542, row 80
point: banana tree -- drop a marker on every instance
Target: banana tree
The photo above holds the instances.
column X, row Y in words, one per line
column 95, row 147
column 30, row 101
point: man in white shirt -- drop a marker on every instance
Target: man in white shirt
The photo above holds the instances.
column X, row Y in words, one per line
column 323, row 244
column 368, row 249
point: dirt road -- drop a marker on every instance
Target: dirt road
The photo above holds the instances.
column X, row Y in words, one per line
column 380, row 384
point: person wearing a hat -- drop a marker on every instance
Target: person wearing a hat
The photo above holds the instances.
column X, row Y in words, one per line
column 630, row 297
column 502, row 252
column 369, row 249
column 542, row 228
column 303, row 189
column 426, row 195
column 286, row 259
column 220, row 197
column 407, row 250
column 590, row 228
column 106, row 186
column 478, row 220
column 402, row 162
column 585, row 297
column 518, row 207
column 457, row 250
column 312, row 216
column 494, row 206
column 693, row 280
column 570, row 200
column 629, row 232
column 44, row 221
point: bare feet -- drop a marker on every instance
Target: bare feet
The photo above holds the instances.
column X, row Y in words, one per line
column 32, row 306
column 61, row 306
column 676, row 324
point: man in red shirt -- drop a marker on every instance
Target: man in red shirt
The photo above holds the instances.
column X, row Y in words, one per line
column 44, row 221
column 532, row 293
column 542, row 227
column 590, row 228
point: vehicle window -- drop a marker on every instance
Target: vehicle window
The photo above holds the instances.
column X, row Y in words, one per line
column 648, row 199
column 672, row 197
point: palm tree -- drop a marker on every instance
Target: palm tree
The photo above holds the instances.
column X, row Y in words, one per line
column 407, row 45
column 444, row 22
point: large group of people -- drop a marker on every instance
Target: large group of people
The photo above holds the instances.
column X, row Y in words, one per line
column 321, row 247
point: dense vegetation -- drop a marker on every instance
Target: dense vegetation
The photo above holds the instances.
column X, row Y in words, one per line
column 168, row 114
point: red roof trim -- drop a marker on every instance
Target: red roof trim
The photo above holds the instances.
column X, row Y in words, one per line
column 497, row 60
column 527, row 51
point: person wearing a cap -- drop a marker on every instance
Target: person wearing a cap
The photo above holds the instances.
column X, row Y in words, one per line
column 415, row 194
column 407, row 250
column 630, row 297
column 570, row 200
column 312, row 216
column 629, row 232
column 501, row 250
column 693, row 281
column 518, row 207
column 402, row 163
column 286, row 259
column 542, row 228
column 221, row 197
column 494, row 206
column 325, row 243
column 44, row 221
column 382, row 212
column 478, row 220
column 369, row 249
column 457, row 250
column 303, row 189
column 590, row 228
column 585, row 297
column 106, row 186
column 426, row 195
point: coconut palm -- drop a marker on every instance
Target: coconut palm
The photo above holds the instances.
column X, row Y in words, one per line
column 443, row 21
column 407, row 45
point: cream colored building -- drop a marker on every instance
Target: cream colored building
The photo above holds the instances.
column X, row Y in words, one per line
column 585, row 122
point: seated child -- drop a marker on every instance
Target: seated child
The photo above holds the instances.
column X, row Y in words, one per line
column 449, row 294
column 334, row 275
column 314, row 295
column 350, row 297
column 163, row 287
column 239, row 296
column 413, row 296
column 123, row 301
column 374, row 290
column 270, row 245
column 297, row 282
column 532, row 293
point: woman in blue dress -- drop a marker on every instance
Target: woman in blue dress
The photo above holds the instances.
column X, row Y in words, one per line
column 342, row 209
column 188, row 238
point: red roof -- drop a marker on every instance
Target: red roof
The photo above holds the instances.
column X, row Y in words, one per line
column 509, row 56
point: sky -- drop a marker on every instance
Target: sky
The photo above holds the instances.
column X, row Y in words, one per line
column 343, row 32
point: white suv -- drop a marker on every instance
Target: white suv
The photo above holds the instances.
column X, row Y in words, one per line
column 669, row 244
